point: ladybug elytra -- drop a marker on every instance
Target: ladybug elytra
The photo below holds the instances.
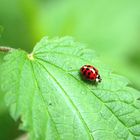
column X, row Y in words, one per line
column 90, row 73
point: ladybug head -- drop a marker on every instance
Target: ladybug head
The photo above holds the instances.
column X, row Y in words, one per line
column 98, row 78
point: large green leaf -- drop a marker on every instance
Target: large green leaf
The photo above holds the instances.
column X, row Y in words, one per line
column 8, row 128
column 45, row 89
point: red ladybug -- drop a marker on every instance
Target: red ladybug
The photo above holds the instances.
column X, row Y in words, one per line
column 90, row 73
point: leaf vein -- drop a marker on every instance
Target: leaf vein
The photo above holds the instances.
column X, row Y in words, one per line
column 47, row 111
column 69, row 99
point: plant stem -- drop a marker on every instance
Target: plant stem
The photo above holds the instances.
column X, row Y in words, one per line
column 5, row 49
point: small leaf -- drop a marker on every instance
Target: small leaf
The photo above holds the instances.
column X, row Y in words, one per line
column 45, row 89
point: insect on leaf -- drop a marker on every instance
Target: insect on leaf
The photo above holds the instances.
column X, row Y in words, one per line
column 46, row 91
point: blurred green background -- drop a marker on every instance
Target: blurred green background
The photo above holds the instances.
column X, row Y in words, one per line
column 110, row 27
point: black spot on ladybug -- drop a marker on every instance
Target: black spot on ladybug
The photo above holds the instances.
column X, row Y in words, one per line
column 84, row 72
column 89, row 73
column 87, row 68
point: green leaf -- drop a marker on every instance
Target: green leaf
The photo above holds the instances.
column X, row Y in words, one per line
column 8, row 128
column 2, row 105
column 46, row 91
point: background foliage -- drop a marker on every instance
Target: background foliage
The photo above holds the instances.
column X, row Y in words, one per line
column 112, row 28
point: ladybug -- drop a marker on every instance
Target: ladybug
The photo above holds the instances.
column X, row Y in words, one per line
column 90, row 73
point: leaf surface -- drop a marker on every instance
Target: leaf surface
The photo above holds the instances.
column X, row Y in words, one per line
column 45, row 89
